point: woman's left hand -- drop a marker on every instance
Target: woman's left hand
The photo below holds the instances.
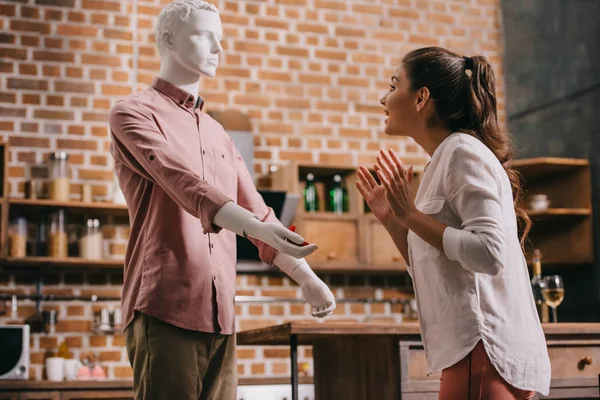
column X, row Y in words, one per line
column 397, row 181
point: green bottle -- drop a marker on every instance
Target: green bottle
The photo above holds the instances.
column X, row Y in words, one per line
column 311, row 200
column 338, row 197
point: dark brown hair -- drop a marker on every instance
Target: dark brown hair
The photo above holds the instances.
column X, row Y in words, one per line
column 463, row 90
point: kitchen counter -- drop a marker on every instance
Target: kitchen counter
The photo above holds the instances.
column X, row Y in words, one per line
column 387, row 361
column 121, row 389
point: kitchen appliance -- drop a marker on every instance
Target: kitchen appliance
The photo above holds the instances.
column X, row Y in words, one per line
column 274, row 392
column 14, row 348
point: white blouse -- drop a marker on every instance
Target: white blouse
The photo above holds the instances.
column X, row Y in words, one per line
column 479, row 287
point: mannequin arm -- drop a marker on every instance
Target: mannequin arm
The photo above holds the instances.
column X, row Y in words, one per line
column 315, row 291
column 244, row 223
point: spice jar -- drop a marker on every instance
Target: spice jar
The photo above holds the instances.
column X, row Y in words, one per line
column 17, row 236
column 57, row 238
column 90, row 244
column 59, row 188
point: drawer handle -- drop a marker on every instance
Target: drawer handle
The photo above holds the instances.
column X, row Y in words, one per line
column 331, row 255
column 587, row 360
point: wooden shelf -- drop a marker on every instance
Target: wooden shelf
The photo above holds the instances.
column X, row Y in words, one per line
column 552, row 213
column 536, row 168
column 94, row 206
column 60, row 262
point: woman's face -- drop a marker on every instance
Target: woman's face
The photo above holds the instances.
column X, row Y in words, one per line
column 401, row 106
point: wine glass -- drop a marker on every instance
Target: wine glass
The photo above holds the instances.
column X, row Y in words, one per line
column 553, row 293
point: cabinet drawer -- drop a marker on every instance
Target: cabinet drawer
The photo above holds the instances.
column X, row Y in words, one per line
column 574, row 361
column 40, row 395
column 337, row 237
column 381, row 252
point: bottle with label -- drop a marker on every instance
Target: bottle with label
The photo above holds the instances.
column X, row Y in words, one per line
column 537, row 285
column 311, row 200
column 338, row 197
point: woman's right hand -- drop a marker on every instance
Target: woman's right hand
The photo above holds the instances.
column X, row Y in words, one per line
column 374, row 195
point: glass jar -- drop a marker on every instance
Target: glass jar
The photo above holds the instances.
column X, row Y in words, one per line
column 90, row 245
column 17, row 236
column 57, row 237
column 59, row 188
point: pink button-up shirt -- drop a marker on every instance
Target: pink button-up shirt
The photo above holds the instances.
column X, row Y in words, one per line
column 177, row 167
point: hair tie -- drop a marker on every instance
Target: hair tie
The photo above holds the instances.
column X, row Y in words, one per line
column 468, row 63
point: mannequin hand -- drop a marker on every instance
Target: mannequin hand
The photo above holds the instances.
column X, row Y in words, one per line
column 279, row 237
column 315, row 291
column 318, row 295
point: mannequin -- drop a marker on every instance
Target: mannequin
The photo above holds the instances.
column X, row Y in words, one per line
column 189, row 193
column 185, row 57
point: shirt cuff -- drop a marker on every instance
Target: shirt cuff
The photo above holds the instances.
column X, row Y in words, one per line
column 451, row 241
column 208, row 206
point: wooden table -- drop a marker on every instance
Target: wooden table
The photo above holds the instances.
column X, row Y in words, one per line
column 355, row 361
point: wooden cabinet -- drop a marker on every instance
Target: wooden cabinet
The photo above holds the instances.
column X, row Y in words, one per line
column 379, row 248
column 55, row 395
column 338, row 239
column 9, row 396
column 563, row 231
column 354, row 241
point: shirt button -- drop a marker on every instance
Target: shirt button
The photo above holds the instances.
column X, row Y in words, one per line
column 212, row 246
column 214, row 278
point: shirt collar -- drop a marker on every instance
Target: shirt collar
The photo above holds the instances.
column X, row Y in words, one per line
column 178, row 95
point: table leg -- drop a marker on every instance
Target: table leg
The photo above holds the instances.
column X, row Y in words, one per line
column 294, row 365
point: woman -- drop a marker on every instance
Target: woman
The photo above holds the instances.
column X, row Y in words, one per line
column 460, row 234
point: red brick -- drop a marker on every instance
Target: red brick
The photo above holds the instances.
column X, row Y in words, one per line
column 333, row 5
column 78, row 144
column 74, row 341
column 53, row 56
column 74, row 72
column 97, row 341
column 102, row 103
column 123, row 372
column 29, row 127
column 77, row 44
column 110, row 356
column 76, row 130
column 50, row 70
column 76, row 16
column 77, row 30
column 99, row 19
column 101, row 5
column 98, row 117
column 117, row 34
column 100, row 60
column 29, row 26
column 12, row 112
column 98, row 74
column 50, row 114
column 57, row 3
column 113, row 90
column 54, row 15
column 292, row 51
column 79, row 101
column 331, row 55
column 6, row 67
column 8, row 10
column 17, row 54
column 78, row 311
column 7, row 38
column 95, row 175
column 124, row 49
column 31, row 98
column 75, row 87
column 7, row 125
column 8, row 98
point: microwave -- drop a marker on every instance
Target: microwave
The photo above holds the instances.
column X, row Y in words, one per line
column 14, row 347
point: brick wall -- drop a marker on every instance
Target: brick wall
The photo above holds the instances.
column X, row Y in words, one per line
column 309, row 74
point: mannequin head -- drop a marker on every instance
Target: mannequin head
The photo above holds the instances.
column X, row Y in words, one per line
column 188, row 34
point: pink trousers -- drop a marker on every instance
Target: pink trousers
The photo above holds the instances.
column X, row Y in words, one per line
column 475, row 378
